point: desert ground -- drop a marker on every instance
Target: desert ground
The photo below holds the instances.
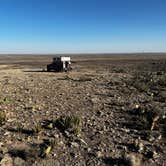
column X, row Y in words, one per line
column 109, row 110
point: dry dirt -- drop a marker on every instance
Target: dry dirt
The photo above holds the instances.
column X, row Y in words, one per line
column 99, row 92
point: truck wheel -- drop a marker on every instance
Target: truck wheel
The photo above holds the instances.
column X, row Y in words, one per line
column 48, row 69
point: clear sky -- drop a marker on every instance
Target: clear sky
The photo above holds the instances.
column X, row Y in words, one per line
column 66, row 26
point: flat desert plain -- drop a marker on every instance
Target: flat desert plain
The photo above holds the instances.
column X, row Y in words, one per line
column 109, row 110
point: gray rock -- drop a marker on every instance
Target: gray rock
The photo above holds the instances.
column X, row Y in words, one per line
column 74, row 144
column 83, row 142
column 19, row 162
column 6, row 161
column 154, row 136
column 140, row 147
column 133, row 159
column 99, row 154
column 4, row 150
column 49, row 162
column 155, row 154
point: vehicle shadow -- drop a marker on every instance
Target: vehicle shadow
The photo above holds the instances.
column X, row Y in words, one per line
column 38, row 71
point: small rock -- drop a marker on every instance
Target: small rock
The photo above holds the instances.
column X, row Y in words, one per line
column 123, row 108
column 56, row 136
column 19, row 162
column 6, row 161
column 133, row 160
column 101, row 132
column 154, row 136
column 61, row 143
column 126, row 130
column 100, row 113
column 152, row 154
column 104, row 128
column 50, row 162
column 74, row 144
column 11, row 120
column 1, row 144
column 7, row 133
column 140, row 147
column 82, row 141
column 67, row 133
column 99, row 154
column 4, row 150
column 89, row 149
column 155, row 155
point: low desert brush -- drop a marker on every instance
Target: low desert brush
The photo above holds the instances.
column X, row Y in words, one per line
column 2, row 118
column 19, row 127
column 50, row 145
column 162, row 80
column 149, row 118
column 72, row 123
column 37, row 128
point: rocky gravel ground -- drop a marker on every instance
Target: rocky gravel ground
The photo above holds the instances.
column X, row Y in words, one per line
column 96, row 115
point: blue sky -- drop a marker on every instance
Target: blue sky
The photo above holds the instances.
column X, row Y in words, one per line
column 80, row 26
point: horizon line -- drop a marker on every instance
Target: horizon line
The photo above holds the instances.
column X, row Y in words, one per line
column 84, row 53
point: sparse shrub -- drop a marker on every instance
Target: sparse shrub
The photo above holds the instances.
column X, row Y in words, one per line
column 2, row 118
column 69, row 123
column 162, row 80
column 52, row 142
column 162, row 97
column 37, row 128
column 142, row 81
column 19, row 127
column 144, row 121
column 148, row 118
column 147, row 81
column 141, row 86
column 49, row 145
column 50, row 126
column 147, row 133
column 119, row 70
column 4, row 100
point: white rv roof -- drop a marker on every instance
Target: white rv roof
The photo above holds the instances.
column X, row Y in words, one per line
column 65, row 58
